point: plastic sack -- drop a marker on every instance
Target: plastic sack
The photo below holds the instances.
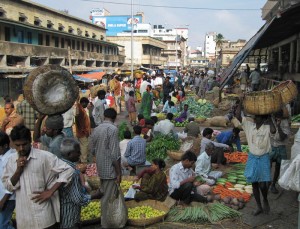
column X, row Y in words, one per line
column 130, row 193
column 295, row 150
column 117, row 209
column 290, row 178
column 182, row 135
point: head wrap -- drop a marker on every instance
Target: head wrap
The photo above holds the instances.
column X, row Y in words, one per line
column 55, row 122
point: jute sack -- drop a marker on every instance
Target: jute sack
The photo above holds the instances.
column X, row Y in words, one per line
column 219, row 121
column 224, row 105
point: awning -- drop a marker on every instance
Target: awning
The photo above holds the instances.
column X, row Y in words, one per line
column 15, row 76
column 94, row 75
column 242, row 54
column 84, row 80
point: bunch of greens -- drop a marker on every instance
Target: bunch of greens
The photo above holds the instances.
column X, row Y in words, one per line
column 203, row 109
column 159, row 146
column 122, row 128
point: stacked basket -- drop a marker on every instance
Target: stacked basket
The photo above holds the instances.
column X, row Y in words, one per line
column 288, row 91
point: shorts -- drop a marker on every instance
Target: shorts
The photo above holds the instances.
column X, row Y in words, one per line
column 278, row 153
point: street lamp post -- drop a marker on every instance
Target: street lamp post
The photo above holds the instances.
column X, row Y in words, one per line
column 131, row 76
column 176, row 57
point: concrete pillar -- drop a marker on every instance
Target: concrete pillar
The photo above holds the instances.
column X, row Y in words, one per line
column 292, row 52
column 46, row 61
column 27, row 61
column 3, row 60
column 279, row 57
column 298, row 56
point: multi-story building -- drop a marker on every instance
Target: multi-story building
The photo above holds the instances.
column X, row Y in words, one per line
column 229, row 50
column 32, row 35
column 177, row 47
column 210, row 45
column 147, row 51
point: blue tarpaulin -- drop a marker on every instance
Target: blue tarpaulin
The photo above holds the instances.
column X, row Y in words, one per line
column 81, row 79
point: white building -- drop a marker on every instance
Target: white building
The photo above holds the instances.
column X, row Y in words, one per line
column 210, row 45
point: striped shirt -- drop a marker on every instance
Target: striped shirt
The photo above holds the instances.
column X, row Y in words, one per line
column 104, row 142
column 72, row 197
column 42, row 171
column 136, row 151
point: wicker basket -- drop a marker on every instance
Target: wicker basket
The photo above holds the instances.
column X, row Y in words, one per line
column 288, row 91
column 50, row 89
column 175, row 155
column 263, row 102
column 152, row 203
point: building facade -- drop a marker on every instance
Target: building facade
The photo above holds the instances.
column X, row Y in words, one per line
column 33, row 35
column 147, row 51
column 210, row 45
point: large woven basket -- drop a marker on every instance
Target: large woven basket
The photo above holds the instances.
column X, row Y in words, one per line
column 152, row 203
column 50, row 89
column 288, row 91
column 175, row 155
column 262, row 102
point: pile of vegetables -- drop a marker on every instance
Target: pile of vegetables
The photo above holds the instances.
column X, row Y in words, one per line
column 245, row 148
column 91, row 211
column 144, row 212
column 202, row 108
column 159, row 146
column 122, row 128
column 225, row 192
column 91, row 170
column 202, row 213
column 161, row 116
column 180, row 124
column 296, row 118
column 236, row 157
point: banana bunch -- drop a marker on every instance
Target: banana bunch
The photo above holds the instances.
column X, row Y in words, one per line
column 144, row 212
column 91, row 211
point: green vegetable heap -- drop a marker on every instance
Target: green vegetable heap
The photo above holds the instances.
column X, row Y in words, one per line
column 201, row 108
column 159, row 145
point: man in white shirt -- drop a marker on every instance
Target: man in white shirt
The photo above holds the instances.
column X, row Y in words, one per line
column 203, row 165
column 166, row 126
column 99, row 107
column 144, row 85
column 35, row 176
column 182, row 176
column 7, row 199
column 69, row 117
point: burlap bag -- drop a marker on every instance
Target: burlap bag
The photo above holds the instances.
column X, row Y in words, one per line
column 218, row 121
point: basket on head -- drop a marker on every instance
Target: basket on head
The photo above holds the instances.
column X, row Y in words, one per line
column 262, row 102
column 143, row 221
column 175, row 155
column 50, row 89
column 288, row 91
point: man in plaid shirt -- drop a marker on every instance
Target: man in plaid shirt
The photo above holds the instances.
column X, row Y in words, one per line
column 28, row 113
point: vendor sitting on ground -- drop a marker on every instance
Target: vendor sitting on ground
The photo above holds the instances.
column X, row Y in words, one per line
column 230, row 137
column 192, row 128
column 154, row 182
column 166, row 105
column 172, row 109
column 182, row 179
column 149, row 134
column 218, row 154
column 203, row 166
column 135, row 153
column 165, row 126
column 185, row 114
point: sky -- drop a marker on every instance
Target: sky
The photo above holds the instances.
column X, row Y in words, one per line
column 201, row 16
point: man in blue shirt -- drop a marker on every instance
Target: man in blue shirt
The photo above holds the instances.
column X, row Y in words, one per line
column 230, row 137
column 135, row 153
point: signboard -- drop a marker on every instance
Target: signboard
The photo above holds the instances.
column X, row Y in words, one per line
column 97, row 12
column 116, row 24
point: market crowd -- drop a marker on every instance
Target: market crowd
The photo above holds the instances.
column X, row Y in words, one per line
column 39, row 154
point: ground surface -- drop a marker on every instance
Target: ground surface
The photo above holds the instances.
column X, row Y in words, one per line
column 284, row 210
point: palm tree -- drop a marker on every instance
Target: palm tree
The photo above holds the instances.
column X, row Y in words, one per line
column 219, row 39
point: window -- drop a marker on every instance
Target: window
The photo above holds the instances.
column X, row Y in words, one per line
column 56, row 42
column 78, row 45
column 62, row 43
column 20, row 35
column 47, row 40
column 40, row 39
column 100, row 48
column 88, row 47
column 22, row 17
column 29, row 38
column 71, row 30
column 73, row 44
column 49, row 24
column 60, row 27
column 7, row 34
column 142, row 31
column 37, row 21
column 82, row 46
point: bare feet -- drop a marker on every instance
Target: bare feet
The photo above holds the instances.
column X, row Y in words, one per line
column 257, row 211
column 266, row 207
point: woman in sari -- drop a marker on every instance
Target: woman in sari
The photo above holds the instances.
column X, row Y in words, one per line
column 154, row 182
column 146, row 104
